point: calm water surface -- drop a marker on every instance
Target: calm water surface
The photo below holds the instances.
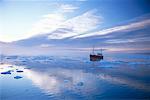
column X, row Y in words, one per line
column 121, row 76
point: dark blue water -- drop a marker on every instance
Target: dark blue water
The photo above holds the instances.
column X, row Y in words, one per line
column 118, row 76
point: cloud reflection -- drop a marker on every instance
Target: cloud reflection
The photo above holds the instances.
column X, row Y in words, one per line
column 59, row 80
column 125, row 81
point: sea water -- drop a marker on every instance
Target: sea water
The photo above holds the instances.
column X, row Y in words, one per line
column 118, row 76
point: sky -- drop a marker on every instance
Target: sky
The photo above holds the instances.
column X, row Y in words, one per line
column 75, row 19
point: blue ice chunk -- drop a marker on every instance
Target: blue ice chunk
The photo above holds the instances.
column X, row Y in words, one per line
column 66, row 81
column 17, row 77
column 8, row 72
column 19, row 71
column 80, row 84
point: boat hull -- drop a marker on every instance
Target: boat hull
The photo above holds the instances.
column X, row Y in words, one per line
column 96, row 57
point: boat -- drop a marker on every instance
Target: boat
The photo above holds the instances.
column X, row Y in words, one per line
column 96, row 57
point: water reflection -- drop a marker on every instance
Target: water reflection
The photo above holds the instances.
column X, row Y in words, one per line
column 58, row 81
column 125, row 81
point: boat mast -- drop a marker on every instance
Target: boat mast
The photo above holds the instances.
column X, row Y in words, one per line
column 93, row 49
column 1, row 58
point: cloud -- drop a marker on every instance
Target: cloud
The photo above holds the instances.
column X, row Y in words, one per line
column 134, row 34
column 46, row 45
column 58, row 27
column 47, row 24
column 121, row 28
column 82, row 0
column 60, row 33
column 67, row 8
column 64, row 7
column 77, row 25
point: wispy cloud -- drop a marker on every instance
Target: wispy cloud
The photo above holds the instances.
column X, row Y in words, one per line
column 121, row 28
column 53, row 22
column 46, row 45
column 77, row 25
column 82, row 0
column 58, row 27
column 67, row 8
column 77, row 32
column 47, row 24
